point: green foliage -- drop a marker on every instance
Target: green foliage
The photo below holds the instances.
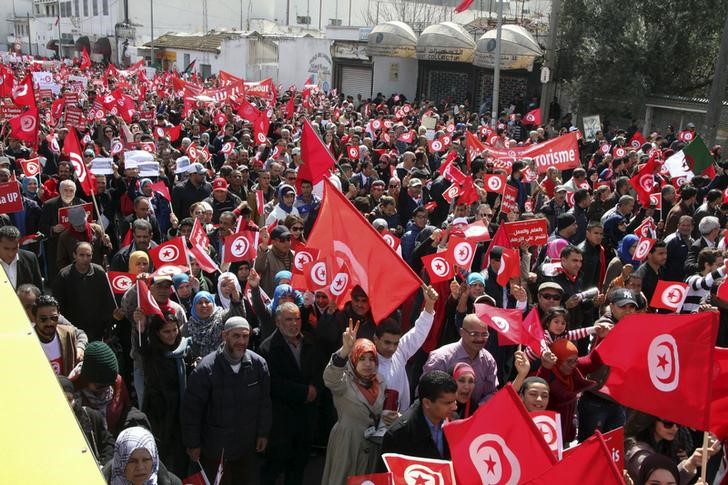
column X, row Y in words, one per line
column 624, row 50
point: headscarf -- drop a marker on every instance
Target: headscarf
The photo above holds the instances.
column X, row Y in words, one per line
column 180, row 279
column 612, row 234
column 283, row 190
column 26, row 181
column 627, row 242
column 199, row 296
column 282, row 275
column 135, row 257
column 656, row 461
column 130, row 440
column 368, row 387
column 553, row 248
column 285, row 290
column 460, row 369
column 563, row 349
column 225, row 301
column 144, row 182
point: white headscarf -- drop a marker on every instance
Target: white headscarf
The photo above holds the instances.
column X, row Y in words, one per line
column 225, row 301
column 129, row 440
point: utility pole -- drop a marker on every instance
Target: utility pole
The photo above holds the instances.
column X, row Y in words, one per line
column 288, row 11
column 241, row 15
column 204, row 16
column 717, row 89
column 58, row 7
column 349, row 13
column 30, row 40
column 549, row 88
column 151, row 23
column 496, row 68
column 321, row 11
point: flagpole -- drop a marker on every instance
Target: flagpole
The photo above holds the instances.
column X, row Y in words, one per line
column 704, row 463
column 139, row 305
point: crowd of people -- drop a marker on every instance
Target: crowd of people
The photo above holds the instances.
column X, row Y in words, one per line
column 246, row 370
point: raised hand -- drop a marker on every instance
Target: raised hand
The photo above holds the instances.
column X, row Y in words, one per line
column 349, row 337
column 431, row 297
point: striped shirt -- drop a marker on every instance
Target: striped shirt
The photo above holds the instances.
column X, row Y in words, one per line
column 699, row 288
column 573, row 335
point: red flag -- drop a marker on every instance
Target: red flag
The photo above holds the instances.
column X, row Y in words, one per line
column 637, row 140
column 499, row 239
column 172, row 252
column 510, row 266
column 508, row 323
column 290, row 107
column 247, row 111
column 85, row 60
column 317, row 159
column 644, row 182
column 260, row 128
column 146, row 302
column 23, row 94
column 643, row 247
column 647, row 228
column 655, row 363
column 162, row 189
column 392, row 240
column 198, row 236
column 371, row 479
column 590, row 462
column 342, row 232
column 72, row 147
column 30, row 167
column 615, row 444
column 435, row 146
column 656, row 200
column 340, row 286
column 413, row 469
column 532, row 335
column 669, row 295
column 461, row 252
column 318, row 274
column 173, row 132
column 120, row 282
column 686, row 136
column 439, row 267
column 463, row 6
column 25, row 126
column 533, row 117
column 241, row 246
column 203, row 259
column 477, row 232
column 494, row 182
column 198, row 478
column 499, row 444
column 7, row 81
column 549, row 423
column 352, row 152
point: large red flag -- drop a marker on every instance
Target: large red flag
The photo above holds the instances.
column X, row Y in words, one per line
column 413, row 469
column 340, row 231
column 73, row 148
column 317, row 159
column 590, row 462
column 533, row 117
column 7, row 81
column 146, row 302
column 23, row 93
column 463, row 6
column 172, row 252
column 25, row 126
column 499, row 444
column 85, row 60
column 473, row 148
column 261, row 124
column 507, row 322
column 655, row 363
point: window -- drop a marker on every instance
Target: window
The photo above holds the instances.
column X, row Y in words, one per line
column 105, row 6
column 205, row 70
column 76, row 10
column 85, row 8
column 95, row 5
column 186, row 60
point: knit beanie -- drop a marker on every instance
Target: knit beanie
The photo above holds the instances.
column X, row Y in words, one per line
column 99, row 364
column 564, row 221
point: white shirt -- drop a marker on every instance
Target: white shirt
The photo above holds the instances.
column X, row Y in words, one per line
column 393, row 369
column 12, row 270
column 52, row 350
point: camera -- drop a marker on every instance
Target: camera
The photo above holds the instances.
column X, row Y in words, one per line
column 587, row 295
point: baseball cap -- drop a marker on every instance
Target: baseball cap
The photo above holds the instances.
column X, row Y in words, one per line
column 219, row 184
column 279, row 232
column 162, row 279
column 622, row 297
column 196, row 168
column 550, row 285
column 560, row 188
column 415, row 183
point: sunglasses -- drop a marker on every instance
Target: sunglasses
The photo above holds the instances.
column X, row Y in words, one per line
column 297, row 228
column 668, row 424
column 45, row 319
column 550, row 296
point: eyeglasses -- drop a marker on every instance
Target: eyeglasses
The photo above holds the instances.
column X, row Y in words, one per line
column 550, row 296
column 668, row 424
column 297, row 228
column 53, row 318
column 474, row 334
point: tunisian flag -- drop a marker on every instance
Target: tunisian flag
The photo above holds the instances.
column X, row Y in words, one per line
column 25, row 126
column 72, row 148
column 655, row 363
column 172, row 252
column 23, row 93
column 340, row 231
column 533, row 117
column 510, row 266
column 85, row 60
column 413, row 469
column 589, row 459
column 317, row 159
column 463, row 6
column 146, row 302
column 507, row 322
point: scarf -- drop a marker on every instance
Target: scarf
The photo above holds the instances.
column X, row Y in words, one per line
column 225, row 301
column 624, row 246
column 369, row 388
column 99, row 401
column 564, row 349
column 130, row 440
column 199, row 296
column 86, row 234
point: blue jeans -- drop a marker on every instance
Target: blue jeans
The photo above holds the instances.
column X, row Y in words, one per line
column 600, row 414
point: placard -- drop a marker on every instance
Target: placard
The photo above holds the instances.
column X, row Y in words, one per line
column 534, row 232
column 10, row 198
column 509, row 202
column 63, row 213
column 102, row 166
column 149, row 169
column 592, row 124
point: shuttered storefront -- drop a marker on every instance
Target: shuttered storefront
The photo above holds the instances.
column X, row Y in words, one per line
column 356, row 80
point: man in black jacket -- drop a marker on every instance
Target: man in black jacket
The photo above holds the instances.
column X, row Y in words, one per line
column 227, row 407
column 20, row 266
column 296, row 369
column 418, row 432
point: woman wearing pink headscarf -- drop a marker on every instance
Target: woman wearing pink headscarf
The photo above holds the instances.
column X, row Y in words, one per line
column 464, row 375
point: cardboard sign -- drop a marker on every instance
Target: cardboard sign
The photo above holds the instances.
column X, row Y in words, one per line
column 149, row 169
column 509, row 202
column 102, row 166
column 10, row 198
column 534, row 232
column 63, row 213
column 9, row 110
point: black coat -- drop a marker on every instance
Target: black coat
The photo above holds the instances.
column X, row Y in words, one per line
column 28, row 269
column 410, row 435
column 93, row 425
column 292, row 415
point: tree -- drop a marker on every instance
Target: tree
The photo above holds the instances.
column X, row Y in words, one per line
column 418, row 14
column 624, row 50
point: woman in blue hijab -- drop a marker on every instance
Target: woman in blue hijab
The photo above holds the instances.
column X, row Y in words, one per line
column 625, row 250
